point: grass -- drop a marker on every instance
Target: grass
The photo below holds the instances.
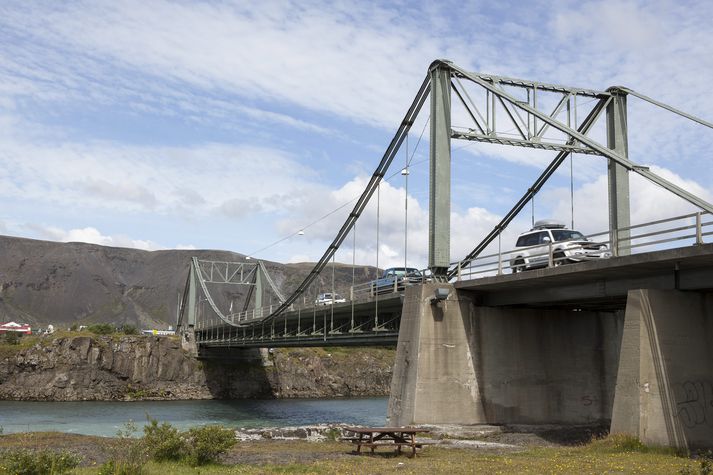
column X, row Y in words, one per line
column 609, row 455
column 8, row 350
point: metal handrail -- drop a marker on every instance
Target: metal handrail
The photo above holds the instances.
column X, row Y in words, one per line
column 497, row 262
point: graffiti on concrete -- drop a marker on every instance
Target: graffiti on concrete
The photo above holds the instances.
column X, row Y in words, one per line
column 694, row 402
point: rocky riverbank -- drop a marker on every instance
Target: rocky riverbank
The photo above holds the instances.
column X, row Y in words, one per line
column 83, row 367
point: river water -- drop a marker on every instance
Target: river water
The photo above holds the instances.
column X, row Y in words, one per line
column 105, row 418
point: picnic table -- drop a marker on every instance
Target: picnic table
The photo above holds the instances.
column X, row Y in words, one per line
column 373, row 437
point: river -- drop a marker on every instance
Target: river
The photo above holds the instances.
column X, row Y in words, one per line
column 105, row 418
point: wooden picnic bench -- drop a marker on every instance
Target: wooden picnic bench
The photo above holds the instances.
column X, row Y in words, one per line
column 373, row 437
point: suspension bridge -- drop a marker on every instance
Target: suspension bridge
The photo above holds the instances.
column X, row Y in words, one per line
column 479, row 340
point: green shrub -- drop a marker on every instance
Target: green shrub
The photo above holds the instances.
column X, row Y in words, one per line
column 12, row 338
column 37, row 462
column 163, row 441
column 206, row 443
column 127, row 454
column 332, row 434
column 101, row 329
column 127, row 329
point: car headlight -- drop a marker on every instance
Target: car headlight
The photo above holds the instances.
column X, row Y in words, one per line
column 603, row 247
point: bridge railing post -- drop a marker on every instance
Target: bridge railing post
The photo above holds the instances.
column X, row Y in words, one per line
column 500, row 253
column 614, row 238
column 699, row 230
column 458, row 278
column 550, row 255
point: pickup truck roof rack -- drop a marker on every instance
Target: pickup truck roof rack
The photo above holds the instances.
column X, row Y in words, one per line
column 547, row 224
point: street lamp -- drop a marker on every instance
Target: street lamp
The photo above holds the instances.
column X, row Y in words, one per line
column 405, row 173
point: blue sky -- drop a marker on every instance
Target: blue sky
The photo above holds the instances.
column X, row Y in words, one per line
column 231, row 125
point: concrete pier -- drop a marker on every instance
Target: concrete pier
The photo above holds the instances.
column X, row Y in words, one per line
column 435, row 376
column 460, row 362
column 664, row 390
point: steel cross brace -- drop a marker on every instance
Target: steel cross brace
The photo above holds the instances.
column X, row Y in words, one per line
column 593, row 144
column 527, row 137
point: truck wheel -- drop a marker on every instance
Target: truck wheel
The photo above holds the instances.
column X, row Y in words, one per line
column 518, row 266
column 559, row 259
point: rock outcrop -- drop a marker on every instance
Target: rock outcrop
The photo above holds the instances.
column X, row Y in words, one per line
column 132, row 367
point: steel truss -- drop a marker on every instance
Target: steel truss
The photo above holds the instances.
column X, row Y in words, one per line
column 576, row 137
column 530, row 132
column 204, row 272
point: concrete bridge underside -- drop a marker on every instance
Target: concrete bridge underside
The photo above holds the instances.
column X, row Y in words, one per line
column 624, row 342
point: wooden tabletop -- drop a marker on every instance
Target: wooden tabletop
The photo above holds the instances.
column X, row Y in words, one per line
column 371, row 430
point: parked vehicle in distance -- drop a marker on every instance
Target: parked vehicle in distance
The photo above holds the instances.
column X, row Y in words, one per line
column 395, row 279
column 329, row 298
column 533, row 247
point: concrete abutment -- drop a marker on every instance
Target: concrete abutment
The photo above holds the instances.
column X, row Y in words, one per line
column 458, row 362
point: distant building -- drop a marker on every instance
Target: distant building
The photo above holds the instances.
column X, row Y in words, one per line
column 159, row 332
column 16, row 327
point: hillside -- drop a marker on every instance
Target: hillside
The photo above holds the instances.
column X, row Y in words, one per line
column 44, row 282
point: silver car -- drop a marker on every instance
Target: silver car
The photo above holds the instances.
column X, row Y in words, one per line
column 329, row 298
column 532, row 249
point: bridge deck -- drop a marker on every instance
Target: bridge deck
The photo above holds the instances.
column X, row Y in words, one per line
column 370, row 321
column 599, row 283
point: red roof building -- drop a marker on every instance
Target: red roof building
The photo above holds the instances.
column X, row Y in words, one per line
column 15, row 327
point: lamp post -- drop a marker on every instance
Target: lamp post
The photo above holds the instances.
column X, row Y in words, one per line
column 405, row 174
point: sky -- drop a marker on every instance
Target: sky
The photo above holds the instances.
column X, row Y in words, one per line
column 236, row 125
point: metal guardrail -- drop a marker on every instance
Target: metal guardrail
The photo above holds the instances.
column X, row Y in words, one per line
column 644, row 237
column 357, row 292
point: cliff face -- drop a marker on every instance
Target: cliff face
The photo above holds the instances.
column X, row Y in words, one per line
column 104, row 368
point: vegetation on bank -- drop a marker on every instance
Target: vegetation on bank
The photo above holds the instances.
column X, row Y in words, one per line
column 124, row 455
column 12, row 343
column 209, row 450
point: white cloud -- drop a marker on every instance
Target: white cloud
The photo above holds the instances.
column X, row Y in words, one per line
column 614, row 25
column 321, row 57
column 648, row 201
column 94, row 236
column 235, row 180
column 467, row 228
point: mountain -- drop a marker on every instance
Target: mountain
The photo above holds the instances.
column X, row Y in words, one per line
column 43, row 282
